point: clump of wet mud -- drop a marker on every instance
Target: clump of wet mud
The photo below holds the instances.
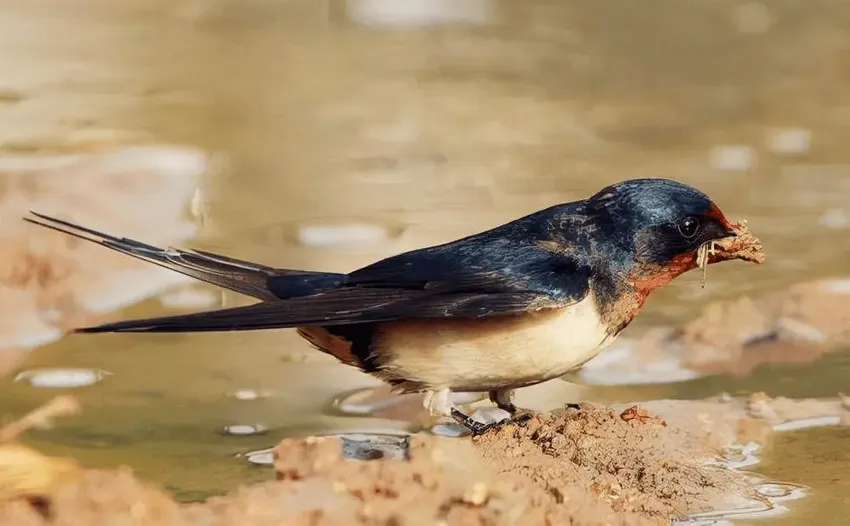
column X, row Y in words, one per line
column 589, row 466
column 744, row 246
column 630, row 459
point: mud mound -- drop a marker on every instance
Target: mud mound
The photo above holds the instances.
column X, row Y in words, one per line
column 444, row 480
column 592, row 466
column 631, row 460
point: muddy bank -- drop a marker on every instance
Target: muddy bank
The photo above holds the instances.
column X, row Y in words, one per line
column 594, row 465
column 795, row 325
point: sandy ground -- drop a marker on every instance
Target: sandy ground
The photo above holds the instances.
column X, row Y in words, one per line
column 593, row 465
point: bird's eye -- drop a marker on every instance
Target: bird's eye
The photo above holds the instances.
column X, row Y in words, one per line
column 689, row 227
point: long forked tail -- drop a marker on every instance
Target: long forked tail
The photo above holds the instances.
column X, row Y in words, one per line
column 252, row 279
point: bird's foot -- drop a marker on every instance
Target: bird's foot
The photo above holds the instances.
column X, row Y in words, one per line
column 479, row 428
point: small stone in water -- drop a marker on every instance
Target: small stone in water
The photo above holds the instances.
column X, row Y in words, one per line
column 732, row 158
column 262, row 457
column 244, row 429
column 247, row 394
column 61, row 378
column 790, row 142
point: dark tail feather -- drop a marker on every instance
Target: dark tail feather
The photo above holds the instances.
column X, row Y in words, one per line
column 297, row 312
column 246, row 318
column 258, row 281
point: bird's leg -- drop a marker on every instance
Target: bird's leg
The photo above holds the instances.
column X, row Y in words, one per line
column 440, row 403
column 504, row 400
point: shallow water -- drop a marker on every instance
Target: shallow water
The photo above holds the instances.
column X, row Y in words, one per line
column 323, row 115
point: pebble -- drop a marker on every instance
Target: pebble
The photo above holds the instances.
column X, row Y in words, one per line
column 248, row 394
column 792, row 141
column 262, row 457
column 732, row 158
column 61, row 378
column 244, row 429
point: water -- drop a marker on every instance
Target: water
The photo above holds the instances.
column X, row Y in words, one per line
column 409, row 127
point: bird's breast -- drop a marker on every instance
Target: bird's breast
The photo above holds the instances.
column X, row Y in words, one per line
column 492, row 353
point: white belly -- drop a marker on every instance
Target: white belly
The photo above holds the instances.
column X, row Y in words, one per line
column 495, row 353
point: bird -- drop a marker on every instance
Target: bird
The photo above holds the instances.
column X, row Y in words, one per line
column 513, row 306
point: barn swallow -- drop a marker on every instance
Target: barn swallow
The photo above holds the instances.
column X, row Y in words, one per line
column 514, row 306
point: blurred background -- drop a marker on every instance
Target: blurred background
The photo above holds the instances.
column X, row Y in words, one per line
column 327, row 134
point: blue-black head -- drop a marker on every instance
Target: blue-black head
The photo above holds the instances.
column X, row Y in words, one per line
column 657, row 220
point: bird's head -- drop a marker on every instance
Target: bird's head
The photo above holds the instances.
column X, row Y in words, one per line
column 661, row 228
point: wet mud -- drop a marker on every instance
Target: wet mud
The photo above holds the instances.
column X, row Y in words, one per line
column 627, row 465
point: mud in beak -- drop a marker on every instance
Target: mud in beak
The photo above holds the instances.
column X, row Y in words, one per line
column 739, row 244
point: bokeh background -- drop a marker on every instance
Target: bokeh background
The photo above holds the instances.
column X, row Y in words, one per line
column 327, row 134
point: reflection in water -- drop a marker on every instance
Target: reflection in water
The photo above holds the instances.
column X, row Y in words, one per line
column 412, row 119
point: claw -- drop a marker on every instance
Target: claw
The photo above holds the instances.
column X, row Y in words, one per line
column 479, row 428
